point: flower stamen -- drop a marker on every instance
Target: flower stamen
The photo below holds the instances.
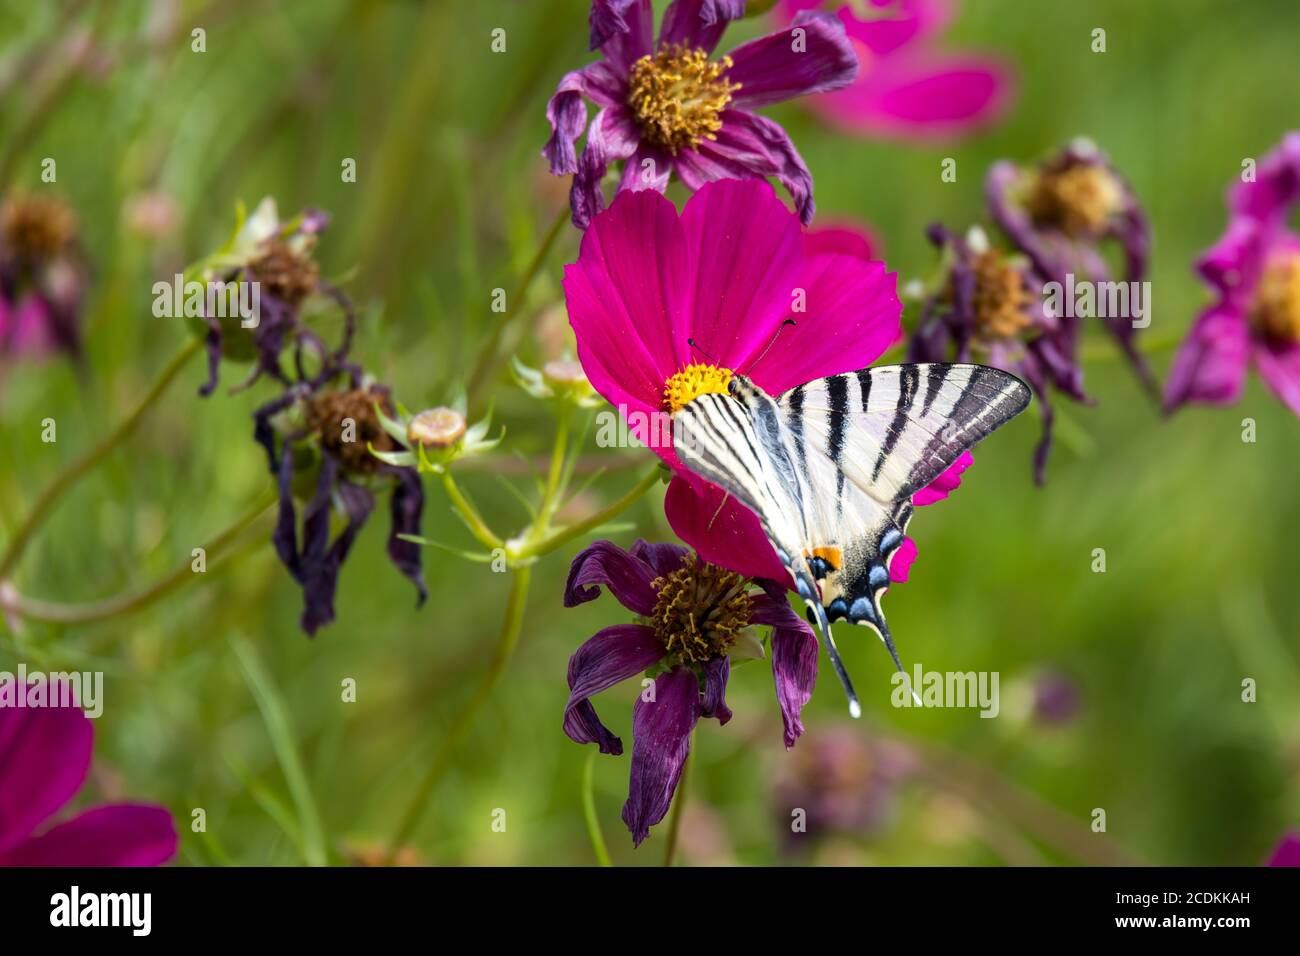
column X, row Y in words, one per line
column 346, row 424
column 1276, row 310
column 700, row 610
column 678, row 96
column 693, row 381
column 1079, row 200
column 1001, row 298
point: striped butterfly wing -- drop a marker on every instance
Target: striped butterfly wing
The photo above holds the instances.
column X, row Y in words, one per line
column 738, row 441
column 881, row 435
column 830, row 467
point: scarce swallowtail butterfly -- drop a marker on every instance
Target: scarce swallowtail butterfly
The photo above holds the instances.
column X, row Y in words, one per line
column 830, row 468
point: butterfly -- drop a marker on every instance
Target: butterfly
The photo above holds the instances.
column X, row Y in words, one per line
column 830, row 467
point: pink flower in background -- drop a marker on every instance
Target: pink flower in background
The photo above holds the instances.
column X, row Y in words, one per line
column 906, row 87
column 1254, row 270
column 44, row 758
column 724, row 273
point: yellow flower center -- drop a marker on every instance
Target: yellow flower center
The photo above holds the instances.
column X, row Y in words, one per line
column 700, row 610
column 692, row 382
column 678, row 95
column 1001, row 298
column 1078, row 200
column 1276, row 310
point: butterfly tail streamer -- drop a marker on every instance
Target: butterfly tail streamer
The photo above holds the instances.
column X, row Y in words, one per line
column 817, row 614
column 887, row 638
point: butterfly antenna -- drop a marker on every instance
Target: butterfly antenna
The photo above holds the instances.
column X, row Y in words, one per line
column 776, row 335
column 691, row 343
column 817, row 614
column 883, row 631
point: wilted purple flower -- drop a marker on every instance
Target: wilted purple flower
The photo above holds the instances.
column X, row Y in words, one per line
column 1062, row 214
column 327, row 427
column 45, row 754
column 842, row 781
column 42, row 277
column 988, row 307
column 667, row 107
column 1254, row 270
column 277, row 255
column 693, row 620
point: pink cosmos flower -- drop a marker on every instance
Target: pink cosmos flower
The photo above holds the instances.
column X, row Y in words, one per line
column 44, row 757
column 905, row 86
column 1254, row 270
column 726, row 273
column 666, row 107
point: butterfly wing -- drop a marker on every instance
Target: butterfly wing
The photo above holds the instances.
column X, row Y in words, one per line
column 830, row 468
column 737, row 442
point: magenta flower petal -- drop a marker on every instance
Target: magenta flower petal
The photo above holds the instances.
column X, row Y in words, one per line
column 750, row 146
column 921, row 96
column 1287, row 852
column 851, row 317
column 612, row 136
column 1279, row 367
column 772, row 68
column 945, row 484
column 44, row 757
column 698, row 24
column 900, row 562
column 726, row 534
column 611, row 656
column 897, row 23
column 661, row 742
column 771, row 608
column 119, row 835
column 794, row 670
column 1276, row 187
column 567, row 113
column 628, row 300
column 844, row 236
column 663, row 558
column 648, row 168
column 627, row 576
column 1211, row 363
column 747, row 251
column 716, row 671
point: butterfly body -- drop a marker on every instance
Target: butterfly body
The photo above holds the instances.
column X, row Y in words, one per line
column 830, row 467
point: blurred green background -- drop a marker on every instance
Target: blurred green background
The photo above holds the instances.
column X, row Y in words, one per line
column 450, row 202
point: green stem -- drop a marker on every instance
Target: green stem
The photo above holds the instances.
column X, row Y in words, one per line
column 130, row 601
column 66, row 478
column 554, row 477
column 488, row 359
column 679, row 801
column 506, row 643
column 477, row 526
column 554, row 540
column 589, row 810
